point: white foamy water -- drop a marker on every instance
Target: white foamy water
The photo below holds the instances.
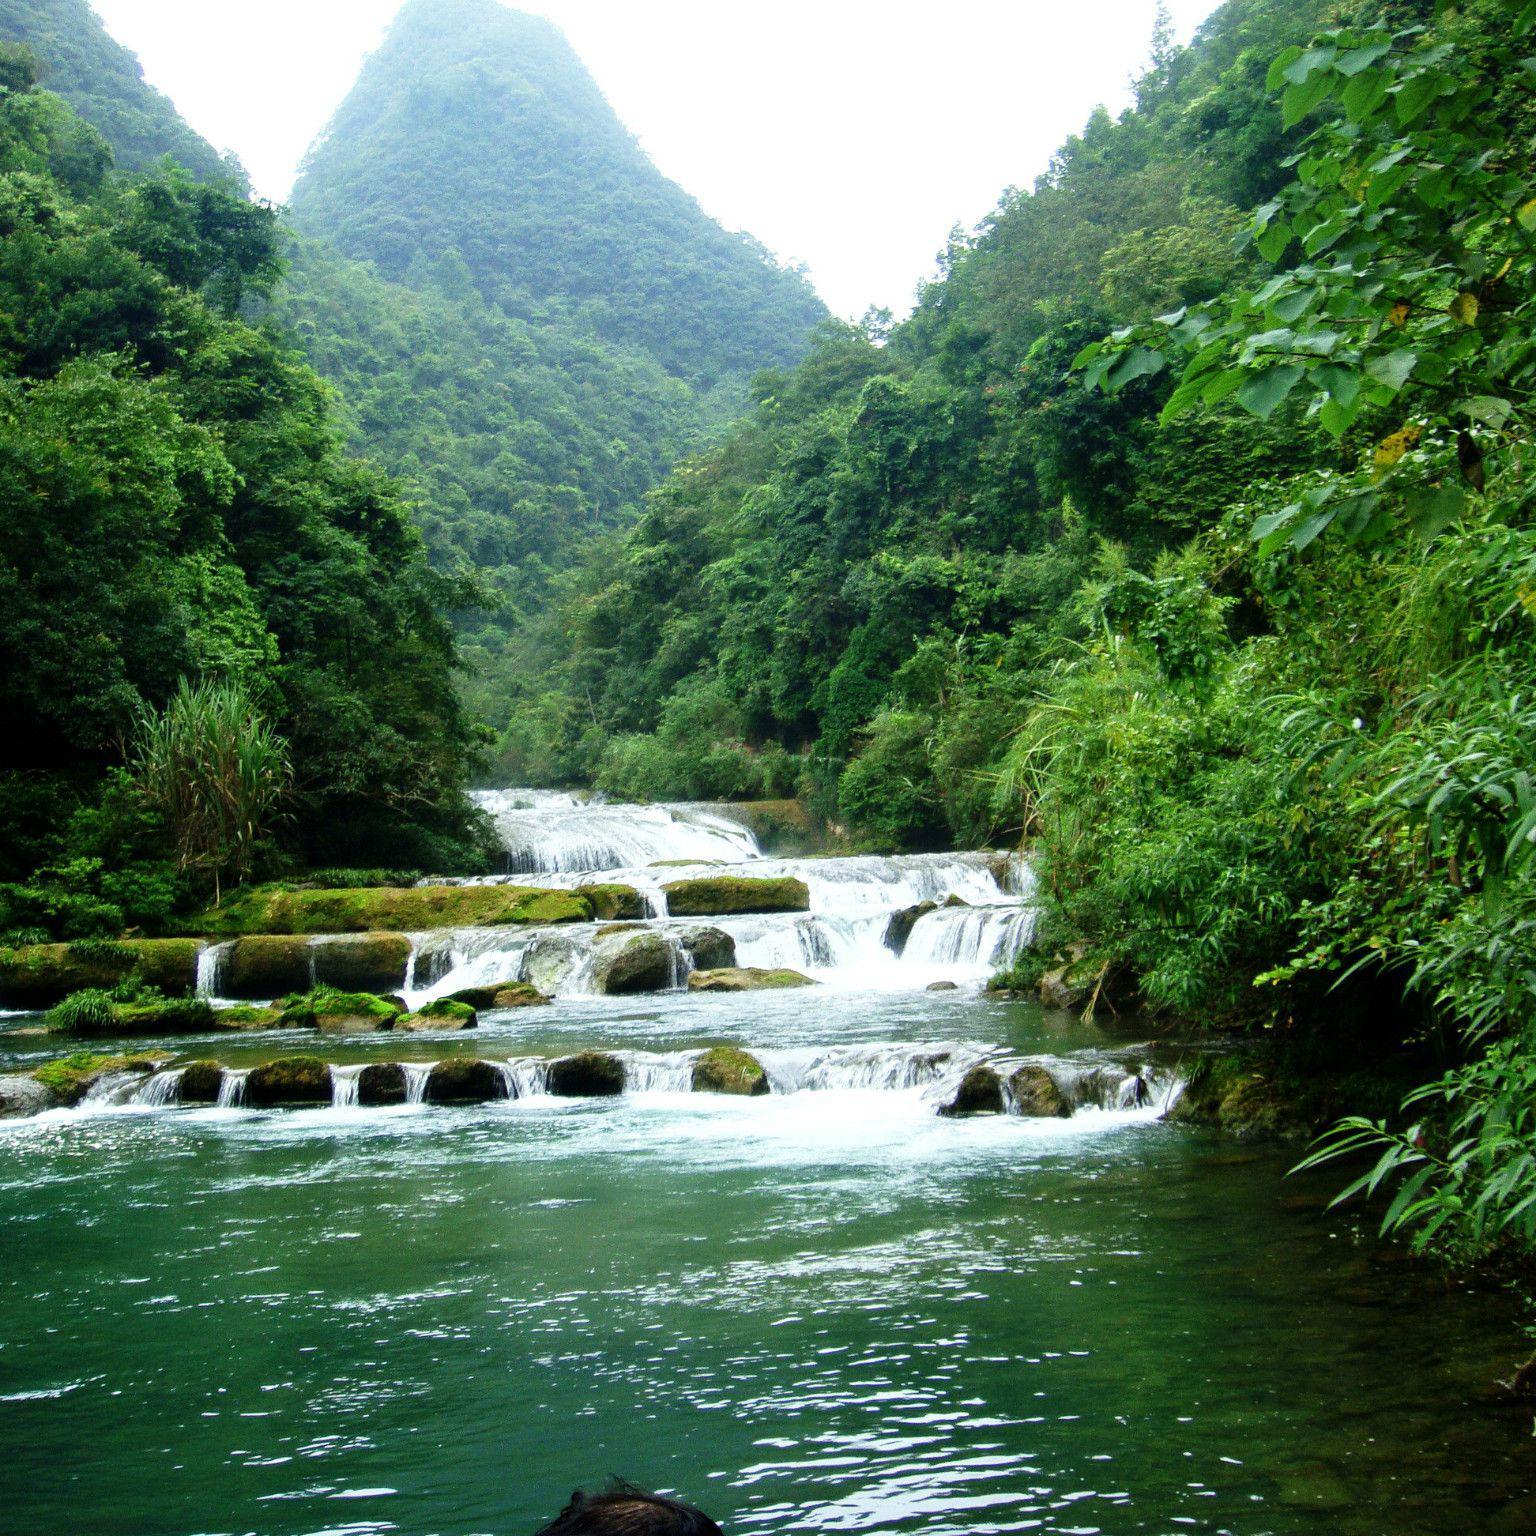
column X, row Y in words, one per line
column 549, row 832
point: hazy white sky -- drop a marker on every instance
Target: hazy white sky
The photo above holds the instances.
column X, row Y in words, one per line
column 850, row 135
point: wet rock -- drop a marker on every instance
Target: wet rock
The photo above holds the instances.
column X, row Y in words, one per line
column 483, row 997
column 709, row 949
column 445, row 1013
column 746, row 979
column 610, row 903
column 725, row 1069
column 342, row 1013
column 289, row 1080
column 380, row 1083
column 899, row 929
column 276, row 909
column 735, row 895
column 519, row 995
column 608, row 930
column 167, row 1016
column 589, row 1075
column 364, row 962
column 644, row 963
column 1036, row 1094
column 1059, row 990
column 462, row 1080
column 980, row 1093
column 549, row 960
column 22, row 1095
column 36, row 976
column 242, row 1019
column 942, row 986
column 200, row 1082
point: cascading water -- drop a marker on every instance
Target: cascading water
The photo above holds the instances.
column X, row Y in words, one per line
column 345, row 1085
column 232, row 1088
column 416, row 1075
column 163, row 1089
column 550, row 833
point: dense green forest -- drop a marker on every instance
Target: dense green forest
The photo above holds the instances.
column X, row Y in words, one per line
column 80, row 61
column 1184, row 532
column 548, row 201
column 177, row 506
column 521, row 420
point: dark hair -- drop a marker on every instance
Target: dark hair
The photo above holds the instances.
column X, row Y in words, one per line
column 624, row 1510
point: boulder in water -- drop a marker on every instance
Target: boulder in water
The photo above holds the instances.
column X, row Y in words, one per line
column 725, row 1069
column 445, row 1013
column 36, row 976
column 499, row 994
column 289, row 1080
column 588, row 1075
column 244, row 1018
column 736, row 895
column 644, row 963
column 899, row 929
column 980, row 1093
column 200, row 1082
column 462, row 1080
column 1035, row 1094
column 612, row 903
column 709, row 949
column 550, row 959
column 266, row 966
column 942, row 986
column 274, row 965
column 748, row 978
column 363, row 962
column 381, row 1082
column 164, row 1016
column 21, row 1094
column 341, row 1013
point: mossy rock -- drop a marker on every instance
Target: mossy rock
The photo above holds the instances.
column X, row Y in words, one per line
column 520, row 995
column 644, row 963
column 200, row 1082
column 736, row 895
column 1242, row 1097
column 485, row 997
column 899, row 929
column 942, row 986
column 980, row 1093
column 37, row 976
column 608, row 930
column 1036, row 1094
column 381, row 1083
column 587, row 1075
column 391, row 909
column 243, row 1019
column 274, row 965
column 445, row 1013
column 166, row 1016
column 289, row 1080
column 70, row 1078
column 612, row 903
column 726, row 1069
column 749, row 978
column 341, row 1013
column 462, row 1080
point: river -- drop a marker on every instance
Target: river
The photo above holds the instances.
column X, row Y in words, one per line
column 827, row 1308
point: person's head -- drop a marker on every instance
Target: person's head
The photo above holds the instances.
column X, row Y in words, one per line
column 628, row 1511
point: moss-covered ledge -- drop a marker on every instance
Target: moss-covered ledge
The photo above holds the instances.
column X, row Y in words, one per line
column 282, row 910
column 736, row 895
column 39, row 975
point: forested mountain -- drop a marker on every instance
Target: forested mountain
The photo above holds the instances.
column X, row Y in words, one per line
column 178, row 513
column 475, row 129
column 103, row 82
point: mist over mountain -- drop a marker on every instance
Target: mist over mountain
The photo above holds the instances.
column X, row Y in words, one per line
column 477, row 129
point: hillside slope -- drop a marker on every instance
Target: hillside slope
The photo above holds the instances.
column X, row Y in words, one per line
column 102, row 80
column 477, row 129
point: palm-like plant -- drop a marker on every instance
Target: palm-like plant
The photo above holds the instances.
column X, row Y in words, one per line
column 216, row 772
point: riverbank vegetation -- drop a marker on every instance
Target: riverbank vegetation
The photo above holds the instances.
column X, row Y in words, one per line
column 1183, row 531
column 176, row 505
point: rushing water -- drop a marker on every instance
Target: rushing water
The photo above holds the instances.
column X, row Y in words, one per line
column 824, row 1309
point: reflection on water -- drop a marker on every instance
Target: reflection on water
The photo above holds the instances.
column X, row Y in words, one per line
column 826, row 1311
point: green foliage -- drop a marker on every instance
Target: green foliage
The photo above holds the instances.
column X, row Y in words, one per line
column 216, row 773
column 91, row 1012
column 175, row 504
column 888, row 791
